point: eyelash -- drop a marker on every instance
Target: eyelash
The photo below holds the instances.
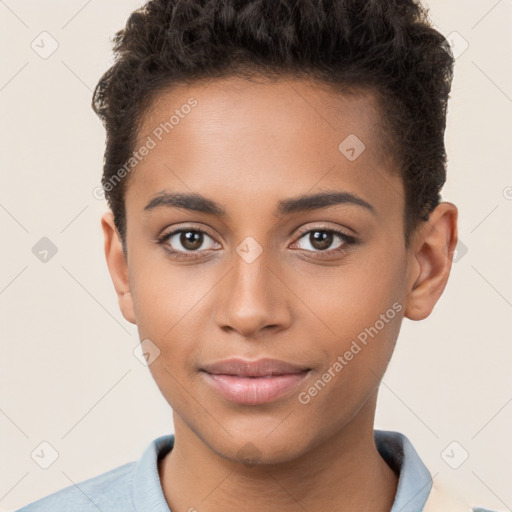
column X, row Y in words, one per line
column 348, row 242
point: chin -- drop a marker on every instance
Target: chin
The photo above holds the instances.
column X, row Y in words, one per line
column 260, row 449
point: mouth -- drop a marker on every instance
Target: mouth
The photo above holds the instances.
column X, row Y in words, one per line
column 253, row 382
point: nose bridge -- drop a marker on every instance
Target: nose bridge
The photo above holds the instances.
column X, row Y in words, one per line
column 252, row 298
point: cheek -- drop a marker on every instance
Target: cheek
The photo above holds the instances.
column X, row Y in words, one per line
column 345, row 300
column 358, row 309
column 173, row 306
column 166, row 295
column 357, row 358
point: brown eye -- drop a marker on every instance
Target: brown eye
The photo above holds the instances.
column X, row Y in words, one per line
column 320, row 240
column 191, row 240
column 187, row 241
column 323, row 239
column 324, row 242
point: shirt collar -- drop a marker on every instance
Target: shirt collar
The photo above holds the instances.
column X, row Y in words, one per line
column 147, row 489
column 414, row 479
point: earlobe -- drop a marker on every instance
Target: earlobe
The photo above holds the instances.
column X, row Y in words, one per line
column 117, row 266
column 431, row 260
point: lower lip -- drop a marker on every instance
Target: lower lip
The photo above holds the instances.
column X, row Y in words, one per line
column 254, row 390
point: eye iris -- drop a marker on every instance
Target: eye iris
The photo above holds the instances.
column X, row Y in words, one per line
column 191, row 240
column 320, row 239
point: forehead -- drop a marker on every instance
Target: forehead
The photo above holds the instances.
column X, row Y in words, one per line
column 260, row 138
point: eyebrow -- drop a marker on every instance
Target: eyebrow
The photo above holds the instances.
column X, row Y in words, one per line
column 198, row 203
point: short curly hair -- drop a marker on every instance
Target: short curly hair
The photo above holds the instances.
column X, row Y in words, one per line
column 387, row 46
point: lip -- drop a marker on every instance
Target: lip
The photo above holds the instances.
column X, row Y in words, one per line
column 259, row 368
column 253, row 382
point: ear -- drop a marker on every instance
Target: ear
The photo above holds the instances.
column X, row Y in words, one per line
column 430, row 261
column 117, row 266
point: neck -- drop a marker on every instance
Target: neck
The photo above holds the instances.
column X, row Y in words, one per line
column 344, row 472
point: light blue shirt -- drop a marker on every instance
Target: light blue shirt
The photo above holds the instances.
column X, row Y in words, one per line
column 135, row 486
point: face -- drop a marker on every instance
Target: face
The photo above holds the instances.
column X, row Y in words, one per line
column 286, row 242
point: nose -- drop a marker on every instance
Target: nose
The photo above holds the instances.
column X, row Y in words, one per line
column 252, row 299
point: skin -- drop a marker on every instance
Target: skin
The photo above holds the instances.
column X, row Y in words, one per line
column 246, row 146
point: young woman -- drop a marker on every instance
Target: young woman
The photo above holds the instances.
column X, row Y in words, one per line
column 273, row 171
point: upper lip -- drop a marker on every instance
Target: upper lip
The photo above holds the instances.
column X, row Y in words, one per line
column 258, row 368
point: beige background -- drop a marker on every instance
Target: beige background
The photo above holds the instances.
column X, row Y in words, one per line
column 68, row 375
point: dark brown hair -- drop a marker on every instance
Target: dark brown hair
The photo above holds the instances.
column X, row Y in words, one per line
column 387, row 46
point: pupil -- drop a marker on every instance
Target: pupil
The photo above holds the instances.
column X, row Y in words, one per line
column 191, row 240
column 320, row 239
